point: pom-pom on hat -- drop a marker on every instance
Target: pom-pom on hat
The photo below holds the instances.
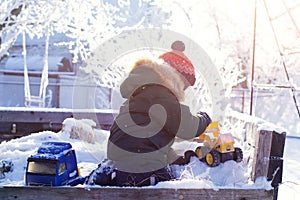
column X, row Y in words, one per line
column 179, row 61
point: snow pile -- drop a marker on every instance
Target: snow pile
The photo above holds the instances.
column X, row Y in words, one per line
column 79, row 129
column 229, row 174
column 196, row 174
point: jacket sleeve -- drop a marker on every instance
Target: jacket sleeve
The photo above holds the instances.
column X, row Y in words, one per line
column 191, row 126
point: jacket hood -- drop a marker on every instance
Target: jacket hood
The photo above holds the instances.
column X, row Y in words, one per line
column 149, row 72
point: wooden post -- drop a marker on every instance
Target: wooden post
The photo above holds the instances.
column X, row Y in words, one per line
column 261, row 154
column 268, row 158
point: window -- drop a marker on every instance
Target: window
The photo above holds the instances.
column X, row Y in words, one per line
column 62, row 168
column 38, row 167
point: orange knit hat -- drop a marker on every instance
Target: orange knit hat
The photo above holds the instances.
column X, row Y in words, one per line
column 180, row 62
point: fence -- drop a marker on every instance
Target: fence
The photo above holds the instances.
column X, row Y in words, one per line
column 274, row 105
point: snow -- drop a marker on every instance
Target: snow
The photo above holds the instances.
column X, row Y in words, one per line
column 82, row 129
column 229, row 174
column 196, row 174
column 290, row 187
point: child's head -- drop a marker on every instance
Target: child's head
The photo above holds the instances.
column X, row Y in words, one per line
column 180, row 62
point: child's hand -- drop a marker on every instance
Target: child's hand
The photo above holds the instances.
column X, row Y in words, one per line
column 205, row 116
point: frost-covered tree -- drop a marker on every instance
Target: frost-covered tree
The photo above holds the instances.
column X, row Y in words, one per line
column 223, row 29
column 88, row 22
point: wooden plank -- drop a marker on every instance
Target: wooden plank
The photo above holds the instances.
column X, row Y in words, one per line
column 54, row 115
column 122, row 193
column 27, row 122
column 51, row 74
column 6, row 137
column 262, row 154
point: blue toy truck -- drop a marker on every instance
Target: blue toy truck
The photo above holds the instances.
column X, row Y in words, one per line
column 54, row 164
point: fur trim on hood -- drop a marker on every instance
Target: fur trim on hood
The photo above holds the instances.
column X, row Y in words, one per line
column 146, row 71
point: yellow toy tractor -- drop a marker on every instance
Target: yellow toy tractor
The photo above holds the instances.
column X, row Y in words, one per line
column 217, row 147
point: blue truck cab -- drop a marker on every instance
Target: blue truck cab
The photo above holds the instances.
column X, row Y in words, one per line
column 54, row 164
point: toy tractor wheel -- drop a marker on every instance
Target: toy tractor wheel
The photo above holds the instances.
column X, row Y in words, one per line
column 238, row 154
column 201, row 152
column 213, row 158
column 198, row 152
